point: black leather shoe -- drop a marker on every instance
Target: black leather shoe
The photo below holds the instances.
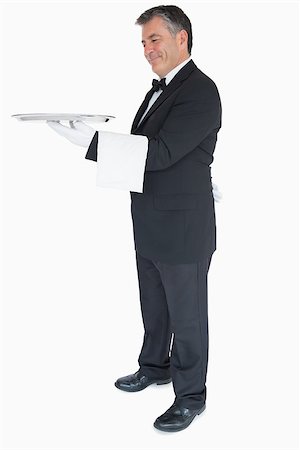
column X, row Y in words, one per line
column 176, row 418
column 137, row 382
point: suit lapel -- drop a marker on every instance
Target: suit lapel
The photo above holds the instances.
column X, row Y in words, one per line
column 141, row 110
column 171, row 87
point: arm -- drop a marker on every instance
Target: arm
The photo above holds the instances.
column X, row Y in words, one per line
column 188, row 123
column 92, row 152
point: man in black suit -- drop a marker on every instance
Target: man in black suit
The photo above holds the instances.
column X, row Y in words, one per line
column 173, row 217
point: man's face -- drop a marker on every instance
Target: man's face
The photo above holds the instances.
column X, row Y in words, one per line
column 161, row 49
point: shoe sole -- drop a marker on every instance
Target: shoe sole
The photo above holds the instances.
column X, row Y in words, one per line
column 170, row 430
column 158, row 382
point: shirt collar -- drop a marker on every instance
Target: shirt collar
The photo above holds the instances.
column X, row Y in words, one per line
column 176, row 69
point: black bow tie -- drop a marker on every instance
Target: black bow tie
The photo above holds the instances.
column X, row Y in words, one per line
column 159, row 84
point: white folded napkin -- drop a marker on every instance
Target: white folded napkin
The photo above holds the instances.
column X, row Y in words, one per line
column 121, row 161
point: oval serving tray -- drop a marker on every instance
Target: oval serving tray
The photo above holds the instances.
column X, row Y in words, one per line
column 64, row 116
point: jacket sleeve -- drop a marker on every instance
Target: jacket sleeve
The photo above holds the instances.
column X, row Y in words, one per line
column 92, row 151
column 191, row 119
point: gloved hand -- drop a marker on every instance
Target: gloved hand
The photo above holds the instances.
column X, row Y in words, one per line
column 216, row 193
column 78, row 133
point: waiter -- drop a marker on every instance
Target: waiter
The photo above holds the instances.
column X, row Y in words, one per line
column 173, row 136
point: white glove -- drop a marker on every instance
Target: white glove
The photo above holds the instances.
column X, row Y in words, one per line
column 216, row 193
column 78, row 133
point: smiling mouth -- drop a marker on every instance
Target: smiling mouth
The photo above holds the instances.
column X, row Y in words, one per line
column 151, row 60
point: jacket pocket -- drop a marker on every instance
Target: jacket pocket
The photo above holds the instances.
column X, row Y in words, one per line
column 181, row 201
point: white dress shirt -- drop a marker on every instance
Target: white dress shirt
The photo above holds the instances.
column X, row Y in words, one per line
column 122, row 157
column 168, row 78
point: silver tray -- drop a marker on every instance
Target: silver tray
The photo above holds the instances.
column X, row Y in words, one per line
column 64, row 116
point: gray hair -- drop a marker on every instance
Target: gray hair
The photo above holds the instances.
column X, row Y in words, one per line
column 174, row 18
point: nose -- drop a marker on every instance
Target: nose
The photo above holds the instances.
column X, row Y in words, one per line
column 148, row 49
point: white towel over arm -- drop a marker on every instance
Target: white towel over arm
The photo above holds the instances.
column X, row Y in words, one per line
column 121, row 161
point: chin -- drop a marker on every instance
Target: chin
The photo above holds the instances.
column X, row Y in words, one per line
column 155, row 71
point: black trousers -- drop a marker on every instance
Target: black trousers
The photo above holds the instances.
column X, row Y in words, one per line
column 174, row 309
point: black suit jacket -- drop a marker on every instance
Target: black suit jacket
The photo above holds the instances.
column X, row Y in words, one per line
column 174, row 217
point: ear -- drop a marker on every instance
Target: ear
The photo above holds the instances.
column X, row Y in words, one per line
column 183, row 38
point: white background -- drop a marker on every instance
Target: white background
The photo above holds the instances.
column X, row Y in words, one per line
column 71, row 314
